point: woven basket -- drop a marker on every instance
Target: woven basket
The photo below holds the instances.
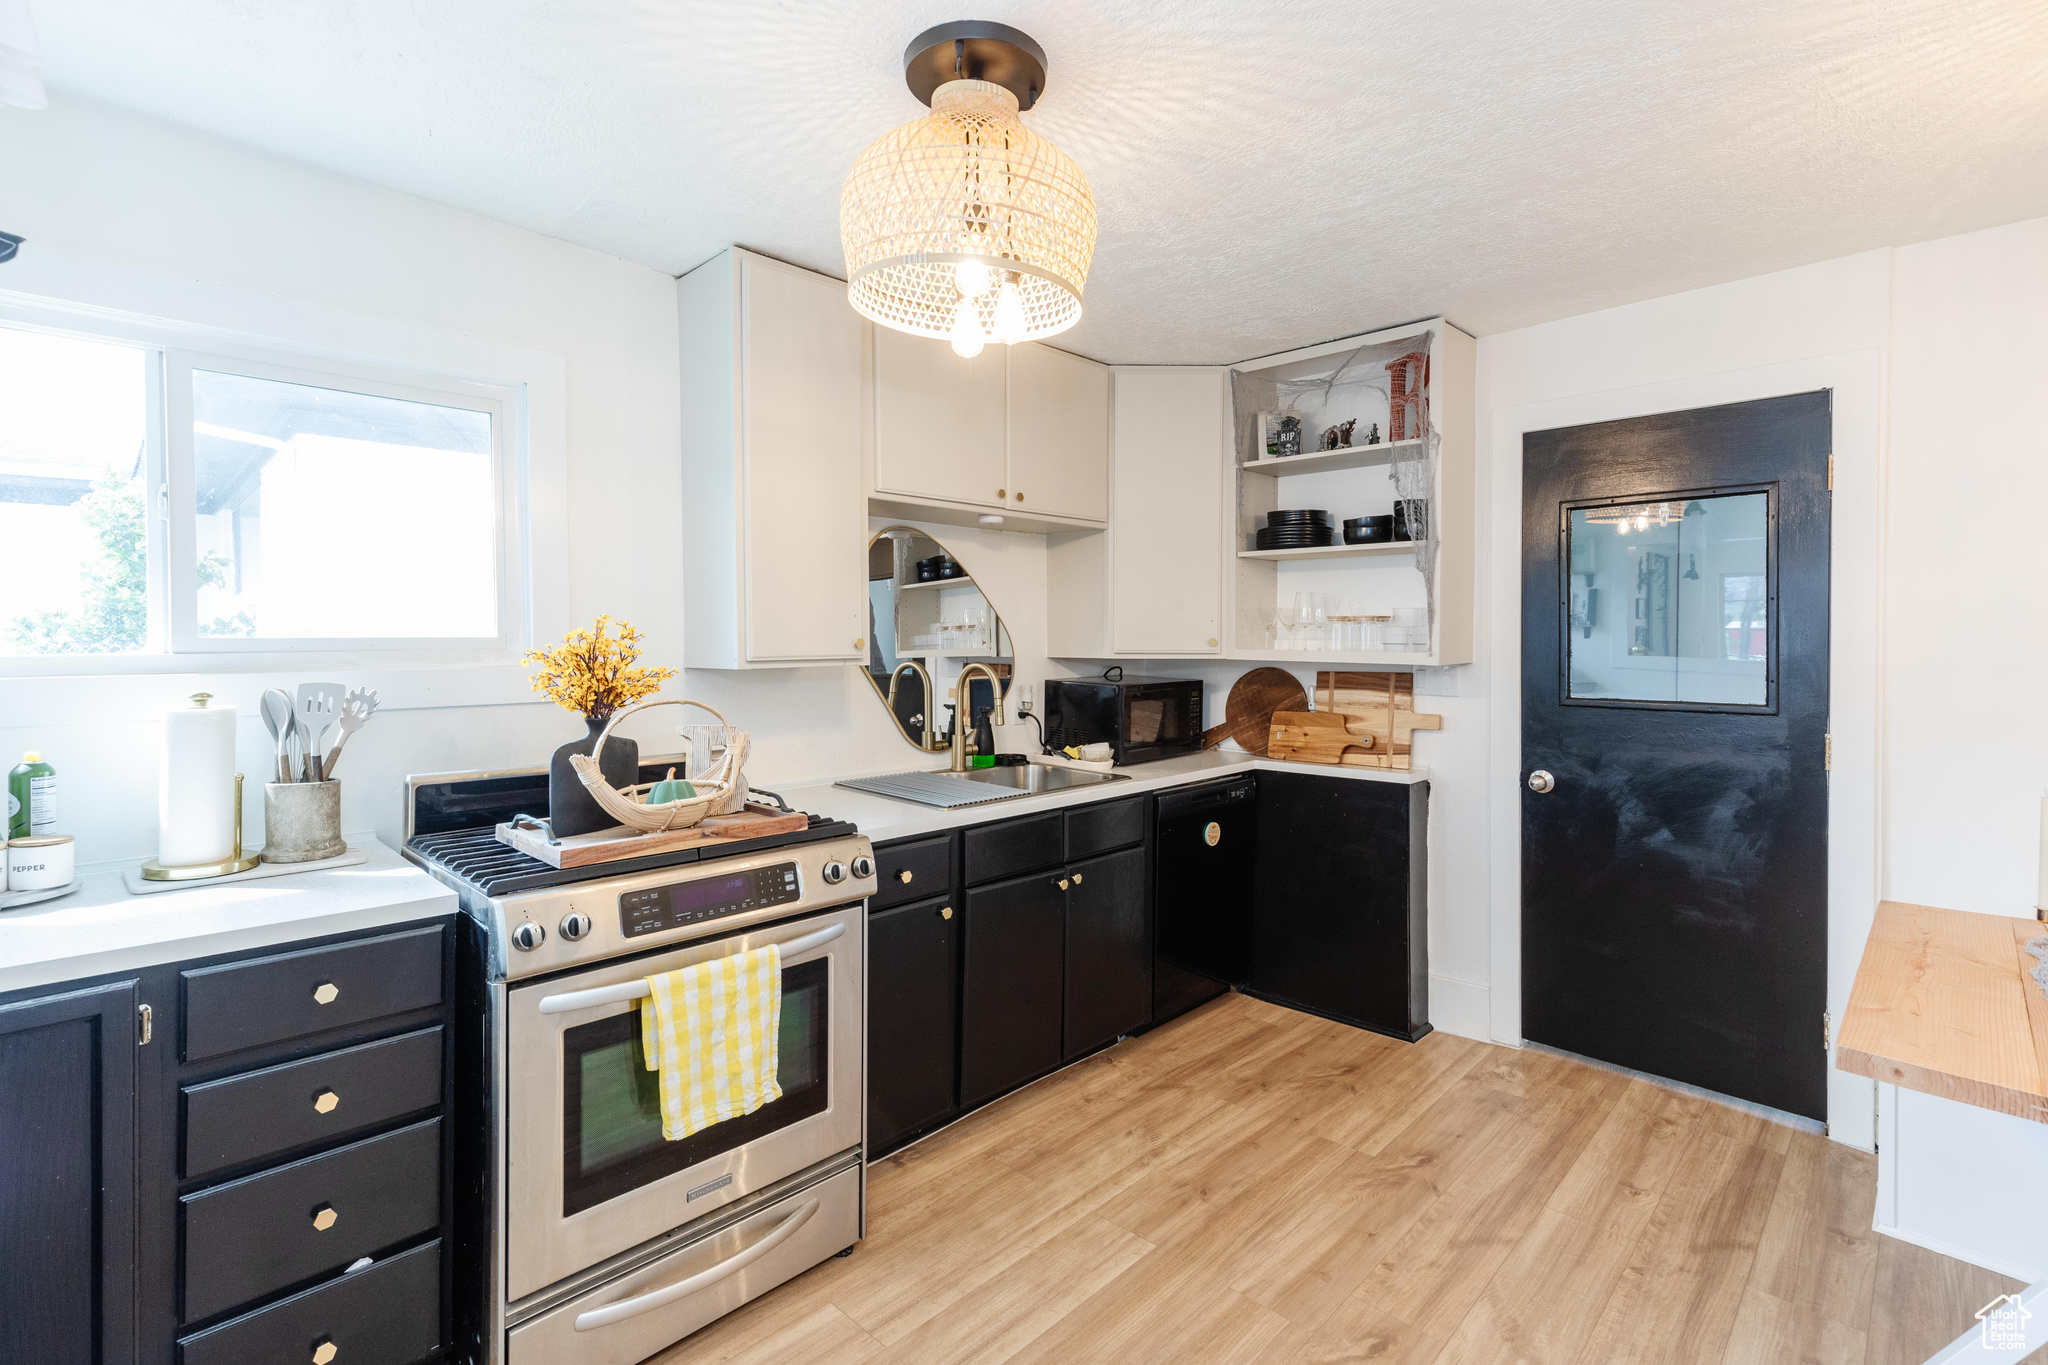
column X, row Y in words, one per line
column 629, row 807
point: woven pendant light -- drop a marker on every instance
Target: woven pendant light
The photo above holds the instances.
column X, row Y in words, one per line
column 966, row 224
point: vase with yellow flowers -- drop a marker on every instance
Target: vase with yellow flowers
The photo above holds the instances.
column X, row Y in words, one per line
column 593, row 673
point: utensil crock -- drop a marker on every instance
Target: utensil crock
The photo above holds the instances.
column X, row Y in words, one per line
column 302, row 822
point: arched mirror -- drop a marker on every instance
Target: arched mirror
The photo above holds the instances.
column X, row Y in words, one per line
column 927, row 618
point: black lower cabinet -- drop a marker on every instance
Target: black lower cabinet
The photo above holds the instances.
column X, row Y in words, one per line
column 388, row 1314
column 1340, row 906
column 1108, row 991
column 67, row 1177
column 913, row 1019
column 1012, row 1009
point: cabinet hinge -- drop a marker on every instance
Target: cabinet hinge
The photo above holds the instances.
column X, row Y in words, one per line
column 145, row 1024
column 1831, row 473
column 1827, row 752
column 1827, row 1031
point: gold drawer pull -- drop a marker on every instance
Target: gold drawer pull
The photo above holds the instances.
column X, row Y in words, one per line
column 325, row 1351
column 326, row 1101
column 904, row 876
column 1077, row 879
column 945, row 912
column 1063, row 883
column 326, row 992
column 324, row 1217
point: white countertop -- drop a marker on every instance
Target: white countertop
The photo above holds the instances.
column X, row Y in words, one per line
column 883, row 818
column 102, row 927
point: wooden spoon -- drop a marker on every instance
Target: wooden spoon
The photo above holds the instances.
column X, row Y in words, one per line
column 1248, row 714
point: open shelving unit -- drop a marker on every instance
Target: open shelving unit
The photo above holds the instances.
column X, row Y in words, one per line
column 1351, row 482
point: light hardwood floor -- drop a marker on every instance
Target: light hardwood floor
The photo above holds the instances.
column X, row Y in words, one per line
column 1252, row 1185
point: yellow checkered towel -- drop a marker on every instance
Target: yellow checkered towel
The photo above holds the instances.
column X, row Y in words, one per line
column 712, row 1031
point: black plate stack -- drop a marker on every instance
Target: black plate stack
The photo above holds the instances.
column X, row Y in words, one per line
column 1297, row 529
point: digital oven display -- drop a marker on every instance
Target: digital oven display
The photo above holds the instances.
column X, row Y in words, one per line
column 684, row 903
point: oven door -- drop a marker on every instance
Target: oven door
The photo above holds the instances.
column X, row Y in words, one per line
column 587, row 1172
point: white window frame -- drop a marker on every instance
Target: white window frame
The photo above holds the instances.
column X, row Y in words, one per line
column 174, row 645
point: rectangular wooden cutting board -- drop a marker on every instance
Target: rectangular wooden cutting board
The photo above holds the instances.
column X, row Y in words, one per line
column 1361, row 720
column 605, row 845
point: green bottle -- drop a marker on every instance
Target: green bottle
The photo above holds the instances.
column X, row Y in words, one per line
column 31, row 797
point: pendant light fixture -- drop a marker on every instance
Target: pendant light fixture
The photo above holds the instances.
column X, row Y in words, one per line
column 966, row 225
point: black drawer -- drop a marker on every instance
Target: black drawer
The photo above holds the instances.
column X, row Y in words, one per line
column 909, row 871
column 389, row 1314
column 248, row 1004
column 1014, row 846
column 1104, row 826
column 252, row 1236
column 321, row 1099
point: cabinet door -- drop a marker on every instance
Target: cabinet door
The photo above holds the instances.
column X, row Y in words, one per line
column 804, row 525
column 1010, row 986
column 913, row 1019
column 1168, row 536
column 1059, row 433
column 67, row 1177
column 938, row 420
column 1108, row 952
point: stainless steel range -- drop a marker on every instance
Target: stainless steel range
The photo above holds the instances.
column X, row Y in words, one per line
column 603, row 1242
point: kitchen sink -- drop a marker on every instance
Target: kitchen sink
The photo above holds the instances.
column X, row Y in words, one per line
column 978, row 786
column 1036, row 778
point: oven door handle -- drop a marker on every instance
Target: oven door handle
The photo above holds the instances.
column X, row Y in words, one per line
column 637, row 990
column 703, row 1279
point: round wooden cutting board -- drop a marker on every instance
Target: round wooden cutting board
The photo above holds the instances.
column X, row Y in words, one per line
column 1248, row 714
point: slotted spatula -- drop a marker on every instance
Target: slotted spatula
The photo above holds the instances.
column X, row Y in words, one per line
column 318, row 704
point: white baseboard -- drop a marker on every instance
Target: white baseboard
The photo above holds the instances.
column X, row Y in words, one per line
column 2024, row 1274
column 1459, row 1006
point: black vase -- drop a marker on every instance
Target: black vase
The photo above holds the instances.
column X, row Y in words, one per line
column 571, row 807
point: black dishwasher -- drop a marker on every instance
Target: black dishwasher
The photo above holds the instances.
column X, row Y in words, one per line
column 1202, row 894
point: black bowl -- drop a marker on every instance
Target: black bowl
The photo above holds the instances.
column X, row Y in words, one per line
column 1368, row 530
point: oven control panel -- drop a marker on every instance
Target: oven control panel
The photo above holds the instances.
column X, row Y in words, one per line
column 681, row 904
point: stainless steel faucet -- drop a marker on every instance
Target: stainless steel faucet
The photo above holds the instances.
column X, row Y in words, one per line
column 961, row 720
column 931, row 701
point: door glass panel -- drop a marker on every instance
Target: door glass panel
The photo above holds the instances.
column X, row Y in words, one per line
column 1669, row 600
column 611, row 1108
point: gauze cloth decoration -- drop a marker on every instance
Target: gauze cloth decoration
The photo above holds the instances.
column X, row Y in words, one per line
column 21, row 58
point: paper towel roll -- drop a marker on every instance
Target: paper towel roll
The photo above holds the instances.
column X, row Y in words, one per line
column 195, row 810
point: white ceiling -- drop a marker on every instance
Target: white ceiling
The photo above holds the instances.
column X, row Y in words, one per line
column 1267, row 174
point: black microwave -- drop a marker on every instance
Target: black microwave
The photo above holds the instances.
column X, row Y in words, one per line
column 1141, row 719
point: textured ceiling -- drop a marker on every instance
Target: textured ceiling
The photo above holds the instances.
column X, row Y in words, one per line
column 1268, row 174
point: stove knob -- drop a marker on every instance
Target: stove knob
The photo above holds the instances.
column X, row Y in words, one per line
column 528, row 936
column 575, row 925
column 863, row 866
column 835, row 872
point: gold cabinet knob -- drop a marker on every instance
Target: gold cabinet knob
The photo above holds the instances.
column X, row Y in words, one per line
column 860, row 642
column 1020, row 497
column 1002, row 492
column 325, row 1217
column 1212, row 642
column 905, row 876
column 1077, row 879
column 326, row 992
column 326, row 1101
column 324, row 1351
column 945, row 912
column 1063, row 883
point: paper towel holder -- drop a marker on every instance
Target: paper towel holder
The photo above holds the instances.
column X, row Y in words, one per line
column 154, row 871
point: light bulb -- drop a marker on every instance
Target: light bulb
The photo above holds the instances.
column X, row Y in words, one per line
column 967, row 336
column 1622, row 529
column 972, row 279
column 1009, row 319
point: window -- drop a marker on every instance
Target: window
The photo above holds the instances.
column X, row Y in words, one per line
column 1669, row 600
column 164, row 501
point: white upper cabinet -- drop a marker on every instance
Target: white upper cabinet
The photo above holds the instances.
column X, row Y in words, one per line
column 1166, row 569
column 1023, row 430
column 1059, row 433
column 938, row 420
column 775, row 534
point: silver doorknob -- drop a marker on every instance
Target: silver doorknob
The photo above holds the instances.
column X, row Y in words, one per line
column 1540, row 781
column 528, row 936
column 575, row 925
column 863, row 866
column 835, row 873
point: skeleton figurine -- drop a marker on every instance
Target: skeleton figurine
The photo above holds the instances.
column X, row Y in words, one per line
column 1372, row 434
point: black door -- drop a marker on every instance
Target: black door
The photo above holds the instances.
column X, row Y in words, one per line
column 1109, row 951
column 1340, row 918
column 913, row 1019
column 1674, row 706
column 67, row 1177
column 1010, row 984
